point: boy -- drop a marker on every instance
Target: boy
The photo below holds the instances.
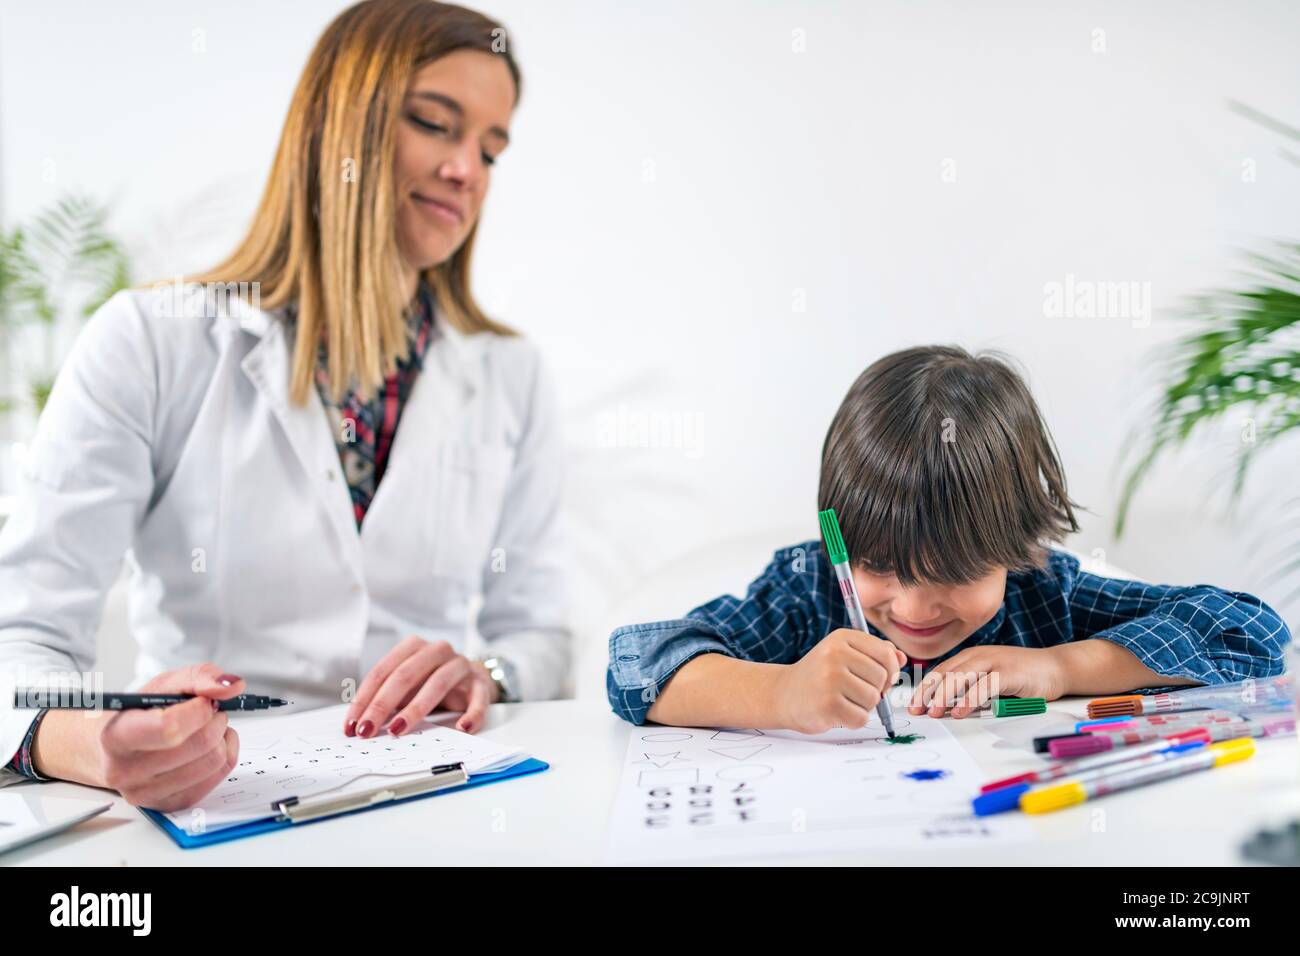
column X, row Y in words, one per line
column 948, row 490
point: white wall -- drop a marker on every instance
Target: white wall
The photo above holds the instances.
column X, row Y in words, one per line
column 680, row 175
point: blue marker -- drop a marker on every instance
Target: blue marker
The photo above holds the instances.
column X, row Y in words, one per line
column 1085, row 725
column 1008, row 798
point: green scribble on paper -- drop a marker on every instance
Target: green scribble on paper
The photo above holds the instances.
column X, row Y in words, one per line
column 904, row 738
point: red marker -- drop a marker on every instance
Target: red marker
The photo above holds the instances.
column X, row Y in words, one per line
column 1101, row 760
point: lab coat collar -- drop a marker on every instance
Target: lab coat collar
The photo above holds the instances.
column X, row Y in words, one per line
column 451, row 375
column 453, row 352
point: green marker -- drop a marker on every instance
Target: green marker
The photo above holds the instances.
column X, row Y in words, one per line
column 839, row 556
column 1017, row 706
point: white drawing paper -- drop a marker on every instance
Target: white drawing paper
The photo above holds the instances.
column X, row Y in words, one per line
column 304, row 754
column 694, row 794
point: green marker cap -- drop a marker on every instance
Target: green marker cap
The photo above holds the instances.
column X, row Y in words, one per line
column 1018, row 706
column 835, row 549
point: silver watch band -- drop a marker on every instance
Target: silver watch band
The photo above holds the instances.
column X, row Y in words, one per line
column 502, row 673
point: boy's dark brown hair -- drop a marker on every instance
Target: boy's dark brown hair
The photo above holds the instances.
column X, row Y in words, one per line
column 940, row 469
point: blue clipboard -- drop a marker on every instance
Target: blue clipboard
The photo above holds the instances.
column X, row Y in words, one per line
column 190, row 841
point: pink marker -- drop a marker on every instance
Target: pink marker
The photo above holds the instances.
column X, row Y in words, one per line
column 1096, row 742
column 1100, row 760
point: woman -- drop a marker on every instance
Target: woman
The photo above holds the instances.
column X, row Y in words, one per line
column 246, row 449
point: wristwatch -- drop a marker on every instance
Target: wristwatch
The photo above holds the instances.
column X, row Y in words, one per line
column 502, row 673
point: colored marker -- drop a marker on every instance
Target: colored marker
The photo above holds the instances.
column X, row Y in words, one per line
column 1116, row 724
column 1098, row 741
column 839, row 556
column 1084, row 725
column 1153, row 726
column 1015, row 706
column 1009, row 798
column 1042, row 743
column 1182, row 717
column 1071, row 792
column 1246, row 692
column 1109, row 758
column 1217, row 731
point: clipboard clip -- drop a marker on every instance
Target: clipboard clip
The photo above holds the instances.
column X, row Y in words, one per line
column 300, row 810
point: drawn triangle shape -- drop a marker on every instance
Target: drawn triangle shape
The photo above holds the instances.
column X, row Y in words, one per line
column 663, row 760
column 740, row 751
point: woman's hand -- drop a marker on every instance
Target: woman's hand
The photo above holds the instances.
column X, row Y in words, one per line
column 967, row 681
column 838, row 683
column 163, row 758
column 411, row 681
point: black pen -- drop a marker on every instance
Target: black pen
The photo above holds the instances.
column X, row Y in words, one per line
column 72, row 698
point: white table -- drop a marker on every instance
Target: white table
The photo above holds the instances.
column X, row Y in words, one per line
column 561, row 816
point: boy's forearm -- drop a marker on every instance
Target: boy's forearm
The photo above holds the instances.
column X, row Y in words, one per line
column 714, row 690
column 1098, row 666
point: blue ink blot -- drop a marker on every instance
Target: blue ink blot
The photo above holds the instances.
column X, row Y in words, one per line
column 926, row 774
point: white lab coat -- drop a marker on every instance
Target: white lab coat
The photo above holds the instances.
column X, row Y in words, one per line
column 172, row 440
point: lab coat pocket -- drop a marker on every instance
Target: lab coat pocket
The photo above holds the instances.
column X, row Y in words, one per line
column 470, row 497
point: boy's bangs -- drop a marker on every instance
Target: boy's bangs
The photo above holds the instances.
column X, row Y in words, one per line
column 921, row 526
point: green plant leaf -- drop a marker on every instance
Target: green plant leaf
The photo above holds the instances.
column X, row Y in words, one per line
column 64, row 261
column 1243, row 357
column 68, row 246
column 40, row 389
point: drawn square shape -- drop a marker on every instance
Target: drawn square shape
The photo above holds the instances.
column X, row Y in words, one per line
column 667, row 778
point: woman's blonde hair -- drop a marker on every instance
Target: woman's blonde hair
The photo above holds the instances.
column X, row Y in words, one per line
column 325, row 231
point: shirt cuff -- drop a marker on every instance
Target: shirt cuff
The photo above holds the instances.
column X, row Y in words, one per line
column 1168, row 649
column 22, row 761
column 643, row 657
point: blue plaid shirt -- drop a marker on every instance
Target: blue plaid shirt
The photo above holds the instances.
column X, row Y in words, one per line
column 1199, row 632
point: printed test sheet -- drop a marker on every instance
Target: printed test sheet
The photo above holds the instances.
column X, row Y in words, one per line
column 693, row 794
column 306, row 753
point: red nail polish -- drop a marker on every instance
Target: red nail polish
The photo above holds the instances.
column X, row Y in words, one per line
column 364, row 728
column 397, row 726
column 350, row 729
column 228, row 680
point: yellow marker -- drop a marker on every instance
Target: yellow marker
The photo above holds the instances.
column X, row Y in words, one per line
column 1070, row 792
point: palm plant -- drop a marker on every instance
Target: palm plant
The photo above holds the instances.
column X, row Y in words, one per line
column 64, row 266
column 1243, row 357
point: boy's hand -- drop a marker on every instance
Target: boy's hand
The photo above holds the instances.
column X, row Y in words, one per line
column 838, row 683
column 967, row 680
